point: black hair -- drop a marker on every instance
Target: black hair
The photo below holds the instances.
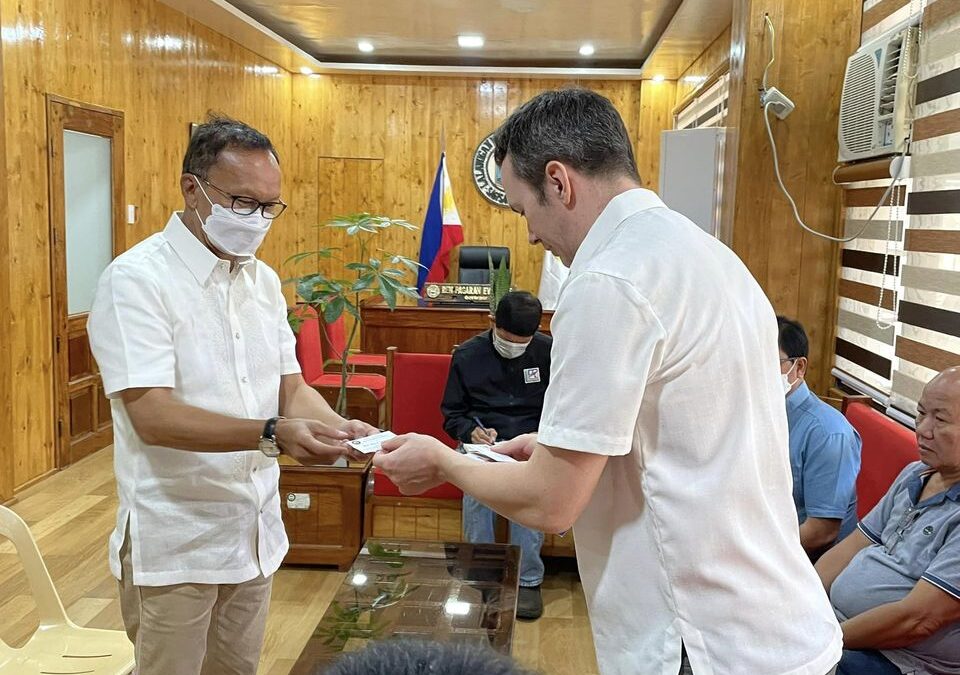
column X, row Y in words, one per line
column 421, row 657
column 792, row 338
column 217, row 134
column 519, row 312
column 575, row 126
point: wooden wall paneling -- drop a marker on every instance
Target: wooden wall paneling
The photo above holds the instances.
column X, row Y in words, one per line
column 797, row 270
column 712, row 57
column 7, row 462
column 163, row 71
column 656, row 103
column 403, row 120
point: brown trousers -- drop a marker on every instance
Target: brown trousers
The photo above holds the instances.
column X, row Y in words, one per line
column 194, row 629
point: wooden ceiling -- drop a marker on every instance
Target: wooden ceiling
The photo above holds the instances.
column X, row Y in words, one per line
column 657, row 37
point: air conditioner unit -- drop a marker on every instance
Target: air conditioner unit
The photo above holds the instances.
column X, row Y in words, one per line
column 875, row 107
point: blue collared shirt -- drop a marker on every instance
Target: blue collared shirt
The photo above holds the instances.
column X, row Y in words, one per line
column 825, row 458
column 911, row 540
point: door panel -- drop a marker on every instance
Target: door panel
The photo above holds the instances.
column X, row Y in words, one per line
column 86, row 226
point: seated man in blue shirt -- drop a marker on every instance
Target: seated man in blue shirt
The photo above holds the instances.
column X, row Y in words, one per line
column 495, row 393
column 895, row 582
column 824, row 451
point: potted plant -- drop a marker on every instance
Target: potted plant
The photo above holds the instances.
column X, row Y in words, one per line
column 374, row 273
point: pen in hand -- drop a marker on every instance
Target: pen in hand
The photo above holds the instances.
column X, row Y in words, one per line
column 485, row 431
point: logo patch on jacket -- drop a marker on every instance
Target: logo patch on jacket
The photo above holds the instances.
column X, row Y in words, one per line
column 531, row 375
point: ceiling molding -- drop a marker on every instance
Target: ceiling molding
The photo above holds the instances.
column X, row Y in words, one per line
column 694, row 27
column 224, row 18
column 480, row 71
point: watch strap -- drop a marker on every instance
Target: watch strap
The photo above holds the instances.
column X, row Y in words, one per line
column 270, row 429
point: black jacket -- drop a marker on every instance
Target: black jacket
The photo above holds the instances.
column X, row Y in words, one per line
column 504, row 394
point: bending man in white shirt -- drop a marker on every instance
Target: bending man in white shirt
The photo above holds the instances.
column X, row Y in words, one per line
column 190, row 333
column 663, row 439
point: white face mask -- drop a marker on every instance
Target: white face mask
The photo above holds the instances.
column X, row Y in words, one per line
column 232, row 233
column 787, row 384
column 507, row 349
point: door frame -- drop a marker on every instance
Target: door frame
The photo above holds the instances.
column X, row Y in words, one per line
column 64, row 114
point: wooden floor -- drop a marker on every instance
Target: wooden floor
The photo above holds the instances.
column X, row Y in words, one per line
column 72, row 513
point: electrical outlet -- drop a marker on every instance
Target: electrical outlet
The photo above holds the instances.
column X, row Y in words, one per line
column 779, row 103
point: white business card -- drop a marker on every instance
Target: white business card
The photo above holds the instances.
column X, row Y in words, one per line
column 369, row 445
column 486, row 452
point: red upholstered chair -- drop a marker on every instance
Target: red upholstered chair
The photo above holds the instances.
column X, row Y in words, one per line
column 365, row 391
column 415, row 386
column 888, row 446
column 336, row 343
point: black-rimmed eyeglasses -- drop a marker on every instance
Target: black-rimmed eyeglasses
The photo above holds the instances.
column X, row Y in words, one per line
column 245, row 206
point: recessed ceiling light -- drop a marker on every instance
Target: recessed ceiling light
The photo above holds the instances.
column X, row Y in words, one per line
column 658, row 78
column 587, row 50
column 306, row 71
column 695, row 79
column 470, row 41
column 365, row 46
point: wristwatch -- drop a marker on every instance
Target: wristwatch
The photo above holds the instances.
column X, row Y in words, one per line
column 268, row 440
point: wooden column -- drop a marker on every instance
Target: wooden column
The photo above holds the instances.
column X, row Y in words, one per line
column 797, row 270
column 6, row 421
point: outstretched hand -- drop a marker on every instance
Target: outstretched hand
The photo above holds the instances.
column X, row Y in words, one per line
column 413, row 462
column 520, row 448
column 310, row 441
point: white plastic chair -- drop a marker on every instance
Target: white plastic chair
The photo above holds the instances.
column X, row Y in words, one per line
column 58, row 646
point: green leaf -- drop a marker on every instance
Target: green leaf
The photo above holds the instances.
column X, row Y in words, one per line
column 295, row 321
column 409, row 291
column 388, row 289
column 333, row 310
column 362, row 284
column 357, row 266
column 396, row 274
column 305, row 287
column 411, row 265
column 352, row 310
column 321, row 253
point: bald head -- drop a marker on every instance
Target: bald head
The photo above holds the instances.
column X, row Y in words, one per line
column 938, row 421
column 945, row 387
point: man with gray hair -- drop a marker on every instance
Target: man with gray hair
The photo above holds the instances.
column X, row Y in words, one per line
column 663, row 438
column 895, row 580
column 189, row 330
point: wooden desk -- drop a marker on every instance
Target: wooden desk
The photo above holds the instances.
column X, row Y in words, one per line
column 425, row 329
column 322, row 509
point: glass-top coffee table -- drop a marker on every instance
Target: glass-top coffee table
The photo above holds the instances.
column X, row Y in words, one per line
column 419, row 590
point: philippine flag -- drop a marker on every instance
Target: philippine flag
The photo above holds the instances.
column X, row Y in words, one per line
column 442, row 230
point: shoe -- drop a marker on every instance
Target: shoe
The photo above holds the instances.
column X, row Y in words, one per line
column 529, row 603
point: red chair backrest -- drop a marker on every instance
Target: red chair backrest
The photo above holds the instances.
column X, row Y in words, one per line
column 888, row 446
column 336, row 341
column 309, row 343
column 417, row 385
